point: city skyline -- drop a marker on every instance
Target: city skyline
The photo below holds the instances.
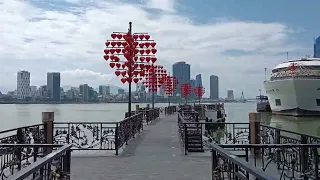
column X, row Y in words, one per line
column 235, row 42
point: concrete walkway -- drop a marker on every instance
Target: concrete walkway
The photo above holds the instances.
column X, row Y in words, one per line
column 154, row 155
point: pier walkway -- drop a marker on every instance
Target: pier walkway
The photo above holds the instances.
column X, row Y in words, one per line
column 155, row 154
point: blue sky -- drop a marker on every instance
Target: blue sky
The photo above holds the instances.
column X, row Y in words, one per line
column 233, row 39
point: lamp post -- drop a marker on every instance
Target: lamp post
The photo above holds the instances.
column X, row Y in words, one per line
column 155, row 78
column 170, row 86
column 199, row 91
column 136, row 49
column 186, row 90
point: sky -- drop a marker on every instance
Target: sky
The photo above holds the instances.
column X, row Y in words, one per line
column 232, row 39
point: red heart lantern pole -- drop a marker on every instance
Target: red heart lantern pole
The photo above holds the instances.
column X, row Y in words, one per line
column 137, row 51
column 170, row 86
column 155, row 78
column 186, row 90
column 199, row 91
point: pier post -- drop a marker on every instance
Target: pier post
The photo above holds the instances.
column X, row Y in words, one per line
column 47, row 120
column 254, row 128
column 137, row 108
column 203, row 112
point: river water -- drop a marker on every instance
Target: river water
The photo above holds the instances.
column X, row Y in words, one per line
column 16, row 115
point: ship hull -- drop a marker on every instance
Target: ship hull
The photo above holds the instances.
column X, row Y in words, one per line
column 294, row 97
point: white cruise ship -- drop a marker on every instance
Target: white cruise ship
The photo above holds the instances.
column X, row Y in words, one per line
column 294, row 88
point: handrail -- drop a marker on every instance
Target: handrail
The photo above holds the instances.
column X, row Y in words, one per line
column 268, row 145
column 24, row 173
column 14, row 129
column 30, row 145
column 288, row 131
column 258, row 173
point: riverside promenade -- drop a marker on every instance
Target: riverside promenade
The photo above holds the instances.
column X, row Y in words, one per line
column 177, row 143
column 154, row 154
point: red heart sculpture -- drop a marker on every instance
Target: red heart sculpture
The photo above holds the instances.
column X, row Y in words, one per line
column 118, row 50
column 141, row 66
column 116, row 58
column 142, row 59
column 141, row 45
column 123, row 66
column 118, row 65
column 135, row 80
column 153, row 59
column 117, row 73
column 119, row 36
column 136, row 51
column 113, row 43
column 141, row 51
column 112, row 64
column 106, row 51
column 119, row 43
column 123, row 80
column 147, row 44
column 135, row 44
column 124, row 44
column 127, row 56
column 148, row 59
column 113, row 36
column 154, row 51
column 129, row 79
column 148, row 51
column 112, row 51
column 136, row 58
column 153, row 44
column 106, row 57
column 107, row 43
column 124, row 73
column 142, row 73
column 135, row 36
column 147, row 36
column 141, row 36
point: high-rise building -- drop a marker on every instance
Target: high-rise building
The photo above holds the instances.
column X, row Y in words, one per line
column 53, row 86
column 181, row 70
column 33, row 91
column 84, row 92
column 316, row 48
column 230, row 95
column 214, row 87
column 193, row 85
column 198, row 80
column 23, row 84
column 104, row 90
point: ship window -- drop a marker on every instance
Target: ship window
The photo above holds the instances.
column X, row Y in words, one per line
column 318, row 102
column 278, row 102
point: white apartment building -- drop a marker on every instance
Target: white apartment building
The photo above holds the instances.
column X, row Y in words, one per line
column 23, row 84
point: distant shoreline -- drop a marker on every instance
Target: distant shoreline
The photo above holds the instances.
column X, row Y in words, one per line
column 74, row 102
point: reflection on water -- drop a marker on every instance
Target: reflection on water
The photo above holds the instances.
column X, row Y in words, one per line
column 306, row 125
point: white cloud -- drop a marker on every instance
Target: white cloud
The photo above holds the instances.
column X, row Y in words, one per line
column 40, row 39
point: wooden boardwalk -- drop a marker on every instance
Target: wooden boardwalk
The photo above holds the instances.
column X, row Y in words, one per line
column 155, row 154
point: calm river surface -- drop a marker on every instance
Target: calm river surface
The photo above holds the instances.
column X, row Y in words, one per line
column 15, row 115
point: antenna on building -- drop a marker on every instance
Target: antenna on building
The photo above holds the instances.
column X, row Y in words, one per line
column 287, row 55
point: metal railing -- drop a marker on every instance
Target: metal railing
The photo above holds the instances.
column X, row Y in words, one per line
column 170, row 110
column 15, row 157
column 226, row 165
column 284, row 161
column 56, row 165
column 98, row 135
column 149, row 115
column 24, row 135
